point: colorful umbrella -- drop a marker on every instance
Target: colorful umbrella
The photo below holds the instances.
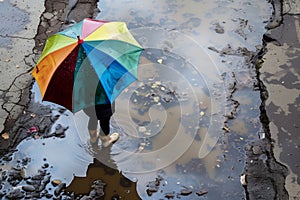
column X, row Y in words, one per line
column 90, row 63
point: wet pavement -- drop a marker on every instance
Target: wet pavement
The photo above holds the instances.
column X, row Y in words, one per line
column 200, row 122
column 280, row 76
column 16, row 56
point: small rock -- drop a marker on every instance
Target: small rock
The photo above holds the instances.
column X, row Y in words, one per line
column 46, row 165
column 60, row 131
column 56, row 182
column 115, row 197
column 257, row 150
column 59, row 189
column 219, row 29
column 48, row 15
column 151, row 190
column 48, row 196
column 169, row 195
column 28, row 188
column 5, row 136
column 186, row 192
column 16, row 194
column 202, row 192
column 160, row 61
column 142, row 129
column 37, row 177
column 243, row 179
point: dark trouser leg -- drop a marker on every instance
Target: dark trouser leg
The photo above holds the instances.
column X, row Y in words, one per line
column 105, row 125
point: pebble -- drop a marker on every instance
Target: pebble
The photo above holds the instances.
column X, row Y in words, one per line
column 59, row 189
column 186, row 192
column 16, row 194
column 257, row 150
column 142, row 129
column 170, row 195
column 202, row 192
column 56, row 182
column 219, row 29
column 243, row 179
column 48, row 15
column 28, row 188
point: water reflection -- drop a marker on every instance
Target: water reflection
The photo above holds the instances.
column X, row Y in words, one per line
column 116, row 186
column 165, row 26
column 72, row 158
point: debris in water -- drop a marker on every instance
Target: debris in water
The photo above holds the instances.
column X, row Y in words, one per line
column 169, row 195
column 159, row 61
column 201, row 114
column 56, row 182
column 153, row 186
column 186, row 192
column 5, row 136
column 226, row 128
column 218, row 28
column 202, row 192
column 156, row 99
column 142, row 129
column 243, row 179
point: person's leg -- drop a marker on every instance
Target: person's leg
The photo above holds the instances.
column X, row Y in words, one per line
column 104, row 113
column 92, row 124
column 105, row 125
column 104, row 132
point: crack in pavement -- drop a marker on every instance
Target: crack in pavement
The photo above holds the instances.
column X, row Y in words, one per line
column 17, row 37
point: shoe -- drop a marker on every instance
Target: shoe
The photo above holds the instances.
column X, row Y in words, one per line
column 108, row 140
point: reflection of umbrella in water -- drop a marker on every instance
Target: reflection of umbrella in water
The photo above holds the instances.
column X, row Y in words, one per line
column 90, row 56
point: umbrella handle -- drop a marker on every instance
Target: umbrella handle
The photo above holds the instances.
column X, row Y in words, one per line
column 80, row 41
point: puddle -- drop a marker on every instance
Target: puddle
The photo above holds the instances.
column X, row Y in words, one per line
column 234, row 29
column 205, row 159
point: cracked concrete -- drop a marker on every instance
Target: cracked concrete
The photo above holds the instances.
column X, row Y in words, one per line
column 17, row 42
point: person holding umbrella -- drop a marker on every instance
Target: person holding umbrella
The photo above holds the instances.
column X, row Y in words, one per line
column 96, row 53
column 101, row 113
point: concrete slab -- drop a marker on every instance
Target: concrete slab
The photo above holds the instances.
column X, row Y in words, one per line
column 20, row 20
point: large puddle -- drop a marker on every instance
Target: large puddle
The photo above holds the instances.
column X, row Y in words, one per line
column 171, row 121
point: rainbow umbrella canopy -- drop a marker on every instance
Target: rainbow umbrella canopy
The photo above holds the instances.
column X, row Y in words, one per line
column 90, row 63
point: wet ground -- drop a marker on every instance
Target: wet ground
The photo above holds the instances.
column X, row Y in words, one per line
column 193, row 126
column 282, row 97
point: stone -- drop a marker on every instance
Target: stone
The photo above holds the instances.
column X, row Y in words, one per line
column 28, row 188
